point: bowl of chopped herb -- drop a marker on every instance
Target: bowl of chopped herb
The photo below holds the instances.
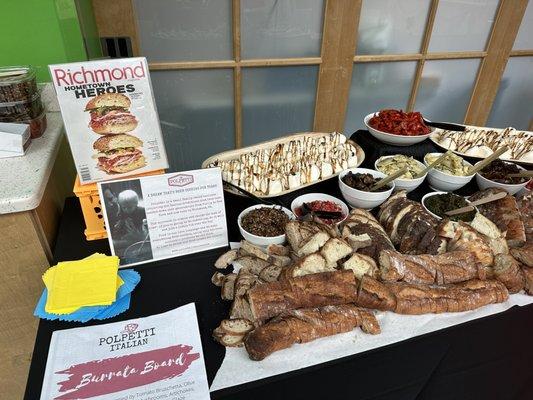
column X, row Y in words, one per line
column 439, row 203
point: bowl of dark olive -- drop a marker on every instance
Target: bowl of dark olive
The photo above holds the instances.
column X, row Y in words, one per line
column 264, row 224
column 496, row 174
column 356, row 183
column 439, row 203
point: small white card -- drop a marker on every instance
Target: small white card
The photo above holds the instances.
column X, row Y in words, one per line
column 156, row 357
column 164, row 216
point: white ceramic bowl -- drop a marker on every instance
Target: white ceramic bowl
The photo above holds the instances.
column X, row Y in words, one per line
column 404, row 184
column 359, row 198
column 430, row 194
column 439, row 180
column 262, row 240
column 396, row 140
column 485, row 183
column 309, row 197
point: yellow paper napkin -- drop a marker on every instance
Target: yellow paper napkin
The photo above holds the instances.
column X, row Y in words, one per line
column 88, row 282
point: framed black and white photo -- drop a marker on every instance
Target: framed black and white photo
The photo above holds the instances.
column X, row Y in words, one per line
column 164, row 216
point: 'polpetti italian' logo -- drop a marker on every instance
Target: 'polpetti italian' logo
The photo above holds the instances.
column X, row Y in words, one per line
column 129, row 337
column 181, row 180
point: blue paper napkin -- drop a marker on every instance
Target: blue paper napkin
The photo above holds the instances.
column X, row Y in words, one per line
column 130, row 277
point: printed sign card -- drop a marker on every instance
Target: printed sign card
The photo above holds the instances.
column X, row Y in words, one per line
column 157, row 357
column 164, row 216
column 110, row 117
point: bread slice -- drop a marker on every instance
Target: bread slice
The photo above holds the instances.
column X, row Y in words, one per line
column 310, row 264
column 237, row 326
column 334, row 250
column 228, row 287
column 248, row 248
column 251, row 264
column 218, row 279
column 282, row 261
column 361, row 265
column 270, row 273
column 485, row 226
column 313, row 244
column 226, row 339
column 278, row 250
column 226, row 259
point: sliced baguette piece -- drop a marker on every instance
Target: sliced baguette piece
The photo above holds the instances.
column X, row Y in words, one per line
column 218, row 279
column 240, row 308
column 361, row 265
column 271, row 273
column 294, row 236
column 226, row 339
column 237, row 326
column 251, row 264
column 244, row 282
column 248, row 248
column 228, row 287
column 278, row 250
column 334, row 250
column 281, row 261
column 226, row 259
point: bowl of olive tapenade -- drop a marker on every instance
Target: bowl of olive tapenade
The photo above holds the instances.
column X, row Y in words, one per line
column 496, row 174
column 355, row 185
column 439, row 203
column 264, row 224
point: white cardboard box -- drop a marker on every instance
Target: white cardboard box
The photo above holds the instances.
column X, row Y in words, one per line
column 14, row 139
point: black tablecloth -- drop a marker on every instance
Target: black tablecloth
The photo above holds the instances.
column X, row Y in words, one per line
column 488, row 358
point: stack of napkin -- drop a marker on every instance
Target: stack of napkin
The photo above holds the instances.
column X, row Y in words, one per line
column 91, row 288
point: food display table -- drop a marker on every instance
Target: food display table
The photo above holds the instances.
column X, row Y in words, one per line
column 486, row 358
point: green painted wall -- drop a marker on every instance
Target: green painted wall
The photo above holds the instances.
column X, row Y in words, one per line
column 42, row 32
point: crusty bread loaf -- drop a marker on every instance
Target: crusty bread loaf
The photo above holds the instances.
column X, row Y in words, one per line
column 455, row 266
column 313, row 290
column 469, row 295
column 375, row 295
column 410, row 298
column 305, row 325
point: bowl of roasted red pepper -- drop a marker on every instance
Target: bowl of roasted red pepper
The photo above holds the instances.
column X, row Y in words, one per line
column 397, row 127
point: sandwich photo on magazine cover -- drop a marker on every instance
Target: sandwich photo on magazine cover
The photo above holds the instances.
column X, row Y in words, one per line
column 126, row 218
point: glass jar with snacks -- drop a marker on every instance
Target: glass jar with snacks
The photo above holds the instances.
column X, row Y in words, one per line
column 17, row 84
